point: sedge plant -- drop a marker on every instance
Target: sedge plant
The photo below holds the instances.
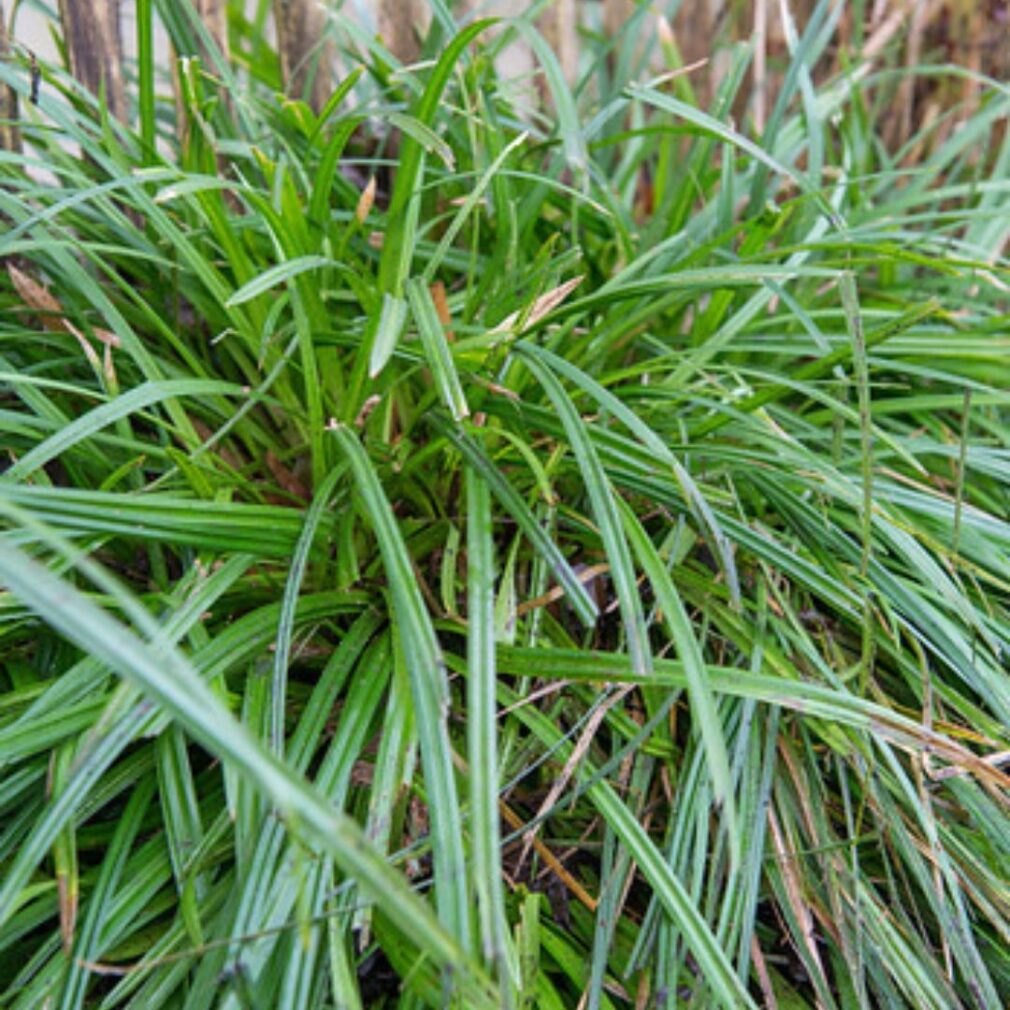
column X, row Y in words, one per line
column 460, row 552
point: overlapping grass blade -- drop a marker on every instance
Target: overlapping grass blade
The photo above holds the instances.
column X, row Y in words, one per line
column 429, row 690
column 646, row 431
column 436, row 349
column 703, row 707
column 482, row 731
column 520, row 511
column 607, row 516
column 170, row 680
column 726, row 986
column 282, row 646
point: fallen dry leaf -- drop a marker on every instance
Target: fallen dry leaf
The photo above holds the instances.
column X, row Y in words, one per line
column 438, row 296
column 365, row 201
column 286, row 477
column 36, row 297
column 546, row 303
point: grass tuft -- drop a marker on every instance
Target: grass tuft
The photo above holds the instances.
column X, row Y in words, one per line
column 465, row 553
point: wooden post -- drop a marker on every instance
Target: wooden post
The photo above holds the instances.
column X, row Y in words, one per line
column 559, row 26
column 402, row 24
column 91, row 32
column 10, row 136
column 212, row 14
column 616, row 13
column 305, row 55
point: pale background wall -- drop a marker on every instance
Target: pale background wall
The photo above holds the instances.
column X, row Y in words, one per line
column 32, row 25
column 34, row 20
column 32, row 28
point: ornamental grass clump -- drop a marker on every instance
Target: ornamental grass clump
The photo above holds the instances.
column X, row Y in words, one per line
column 460, row 553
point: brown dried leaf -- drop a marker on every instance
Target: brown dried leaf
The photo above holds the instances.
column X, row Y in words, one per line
column 786, row 857
column 232, row 458
column 438, row 296
column 545, row 304
column 286, row 477
column 107, row 337
column 366, row 408
column 34, row 294
column 108, row 368
column 550, row 860
column 365, row 201
column 36, row 297
column 550, row 300
column 593, row 724
column 67, row 898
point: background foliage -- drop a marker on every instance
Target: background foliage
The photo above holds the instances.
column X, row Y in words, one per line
column 460, row 554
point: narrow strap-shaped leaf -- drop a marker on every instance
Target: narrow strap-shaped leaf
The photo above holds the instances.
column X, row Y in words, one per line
column 167, row 677
column 473, row 198
column 570, row 128
column 386, row 332
column 707, row 123
column 88, row 947
column 263, row 530
column 101, row 417
column 384, row 327
column 436, row 349
column 429, row 689
column 614, row 405
column 703, row 707
column 411, row 151
column 282, row 651
column 482, row 724
column 604, row 502
column 821, row 366
column 510, row 498
column 713, row 963
column 277, row 274
column 783, row 689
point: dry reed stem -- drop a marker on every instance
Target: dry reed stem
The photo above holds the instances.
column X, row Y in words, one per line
column 91, row 33
column 402, row 23
column 10, row 135
column 306, row 55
